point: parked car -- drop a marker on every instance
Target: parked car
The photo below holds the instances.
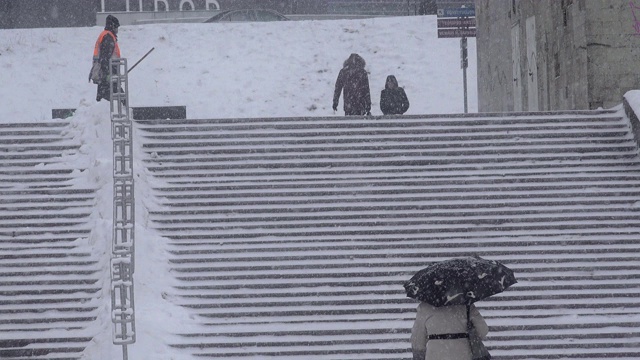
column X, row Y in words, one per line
column 247, row 15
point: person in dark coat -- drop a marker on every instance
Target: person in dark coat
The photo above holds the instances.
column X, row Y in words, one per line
column 393, row 99
column 105, row 49
column 354, row 80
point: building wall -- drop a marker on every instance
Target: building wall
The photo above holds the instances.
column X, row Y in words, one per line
column 613, row 41
column 562, row 61
column 495, row 78
column 51, row 13
column 72, row 13
column 586, row 54
column 368, row 7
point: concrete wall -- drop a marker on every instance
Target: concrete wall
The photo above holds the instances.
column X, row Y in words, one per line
column 586, row 54
column 169, row 10
column 362, row 7
column 51, row 13
column 73, row 13
column 562, row 62
column 154, row 17
column 493, row 43
column 613, row 49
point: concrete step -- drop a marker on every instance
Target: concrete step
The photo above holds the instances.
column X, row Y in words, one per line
column 354, row 253
column 353, row 337
column 624, row 165
column 331, row 171
column 403, row 319
column 372, row 216
column 606, row 245
column 158, row 151
column 370, row 198
column 406, row 228
column 35, row 179
column 6, row 126
column 46, row 264
column 194, row 295
column 34, row 173
column 47, row 220
column 459, row 181
column 46, row 209
column 67, row 353
column 586, row 297
column 69, row 348
column 587, row 238
column 461, row 120
column 399, row 234
column 389, row 351
column 32, row 136
column 41, row 233
column 311, row 136
column 211, row 213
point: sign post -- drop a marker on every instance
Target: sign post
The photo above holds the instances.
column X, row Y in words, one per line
column 456, row 18
column 464, row 63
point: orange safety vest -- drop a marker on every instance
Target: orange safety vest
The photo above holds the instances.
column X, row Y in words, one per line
column 116, row 49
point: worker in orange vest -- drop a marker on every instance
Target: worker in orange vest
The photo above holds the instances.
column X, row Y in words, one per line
column 106, row 48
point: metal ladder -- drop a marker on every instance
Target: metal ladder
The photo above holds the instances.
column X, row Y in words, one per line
column 122, row 257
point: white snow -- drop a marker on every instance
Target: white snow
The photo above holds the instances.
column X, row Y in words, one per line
column 633, row 98
column 236, row 70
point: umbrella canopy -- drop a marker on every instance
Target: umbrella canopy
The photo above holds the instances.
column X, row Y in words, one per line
column 459, row 281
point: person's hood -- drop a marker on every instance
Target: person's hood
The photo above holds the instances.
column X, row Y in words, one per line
column 354, row 61
column 112, row 23
column 391, row 79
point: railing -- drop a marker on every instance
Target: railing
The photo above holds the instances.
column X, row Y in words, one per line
column 122, row 258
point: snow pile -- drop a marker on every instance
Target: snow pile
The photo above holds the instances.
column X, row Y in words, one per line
column 633, row 98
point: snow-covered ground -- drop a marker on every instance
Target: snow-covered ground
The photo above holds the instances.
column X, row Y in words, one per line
column 237, row 70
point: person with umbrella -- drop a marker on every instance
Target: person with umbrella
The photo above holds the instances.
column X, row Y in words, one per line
column 448, row 326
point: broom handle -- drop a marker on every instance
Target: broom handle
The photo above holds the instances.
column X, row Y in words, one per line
column 145, row 55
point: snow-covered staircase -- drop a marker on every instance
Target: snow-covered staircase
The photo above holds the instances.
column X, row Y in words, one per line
column 49, row 279
column 291, row 238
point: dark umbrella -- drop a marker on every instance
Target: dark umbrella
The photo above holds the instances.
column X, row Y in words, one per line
column 459, row 281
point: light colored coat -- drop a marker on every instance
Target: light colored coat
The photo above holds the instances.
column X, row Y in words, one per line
column 432, row 320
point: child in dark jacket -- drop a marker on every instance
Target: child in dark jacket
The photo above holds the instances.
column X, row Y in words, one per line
column 393, row 99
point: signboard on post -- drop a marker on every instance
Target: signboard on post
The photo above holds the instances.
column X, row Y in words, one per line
column 458, row 18
column 457, row 23
column 454, row 3
column 457, row 12
column 456, row 33
column 460, row 22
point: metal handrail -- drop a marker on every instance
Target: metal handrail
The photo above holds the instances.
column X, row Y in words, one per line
column 122, row 256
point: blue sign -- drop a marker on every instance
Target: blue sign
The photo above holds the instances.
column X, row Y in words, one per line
column 457, row 12
column 461, row 2
column 455, row 3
